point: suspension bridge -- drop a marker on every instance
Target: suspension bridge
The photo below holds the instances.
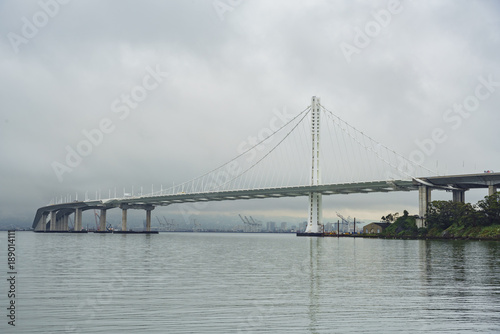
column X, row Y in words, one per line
column 316, row 153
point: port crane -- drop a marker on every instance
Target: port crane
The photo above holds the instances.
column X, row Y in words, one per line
column 161, row 225
column 108, row 227
column 250, row 225
column 246, row 224
column 167, row 225
column 256, row 225
column 171, row 225
column 345, row 223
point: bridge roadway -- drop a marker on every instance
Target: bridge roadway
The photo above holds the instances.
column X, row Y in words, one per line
column 458, row 184
column 59, row 212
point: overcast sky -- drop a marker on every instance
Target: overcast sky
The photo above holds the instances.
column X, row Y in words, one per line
column 176, row 86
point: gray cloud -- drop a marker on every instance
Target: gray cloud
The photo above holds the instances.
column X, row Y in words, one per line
column 225, row 78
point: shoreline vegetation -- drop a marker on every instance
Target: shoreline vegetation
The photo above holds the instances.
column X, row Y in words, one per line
column 448, row 220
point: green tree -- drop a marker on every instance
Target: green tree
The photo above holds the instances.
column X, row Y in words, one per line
column 443, row 214
column 390, row 218
column 489, row 210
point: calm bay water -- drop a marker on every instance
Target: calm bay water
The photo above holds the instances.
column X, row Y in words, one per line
column 250, row 283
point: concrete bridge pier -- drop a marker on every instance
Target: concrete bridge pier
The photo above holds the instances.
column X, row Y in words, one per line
column 492, row 190
column 102, row 220
column 459, row 196
column 78, row 220
column 424, row 198
column 148, row 217
column 124, row 208
column 53, row 221
column 65, row 223
column 42, row 223
column 59, row 224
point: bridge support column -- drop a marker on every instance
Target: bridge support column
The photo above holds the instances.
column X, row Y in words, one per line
column 53, row 221
column 315, row 199
column 42, row 223
column 459, row 196
column 65, row 223
column 78, row 220
column 124, row 208
column 102, row 220
column 315, row 213
column 59, row 223
column 148, row 218
column 492, row 190
column 424, row 198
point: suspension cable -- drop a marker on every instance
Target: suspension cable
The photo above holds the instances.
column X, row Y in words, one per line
column 265, row 155
column 382, row 145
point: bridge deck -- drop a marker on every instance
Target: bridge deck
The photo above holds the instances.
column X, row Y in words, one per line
column 450, row 182
column 468, row 181
column 164, row 200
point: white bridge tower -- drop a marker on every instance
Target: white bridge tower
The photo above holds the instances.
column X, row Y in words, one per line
column 314, row 224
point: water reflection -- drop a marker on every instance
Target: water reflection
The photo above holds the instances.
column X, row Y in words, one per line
column 447, row 262
column 314, row 282
column 425, row 285
column 461, row 280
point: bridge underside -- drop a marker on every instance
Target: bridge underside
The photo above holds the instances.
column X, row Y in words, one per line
column 470, row 181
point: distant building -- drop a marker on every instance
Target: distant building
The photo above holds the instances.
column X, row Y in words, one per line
column 271, row 226
column 375, row 227
column 283, row 227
